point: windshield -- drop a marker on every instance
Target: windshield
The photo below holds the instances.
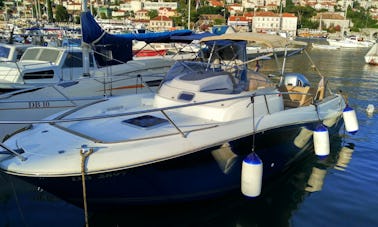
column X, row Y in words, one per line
column 39, row 54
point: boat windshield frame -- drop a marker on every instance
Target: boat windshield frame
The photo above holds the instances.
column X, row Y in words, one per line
column 221, row 55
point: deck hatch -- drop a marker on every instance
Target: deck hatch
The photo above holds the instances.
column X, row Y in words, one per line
column 146, row 121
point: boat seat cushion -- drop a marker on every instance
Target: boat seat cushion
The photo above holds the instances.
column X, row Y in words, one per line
column 258, row 81
column 295, row 96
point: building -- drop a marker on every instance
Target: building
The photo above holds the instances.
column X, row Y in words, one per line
column 142, row 15
column 133, row 5
column 167, row 12
column 160, row 23
column 239, row 23
column 273, row 22
column 332, row 20
column 118, row 13
column 148, row 5
column 263, row 4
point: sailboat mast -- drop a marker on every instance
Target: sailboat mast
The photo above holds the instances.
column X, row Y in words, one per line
column 280, row 16
column 189, row 14
column 85, row 46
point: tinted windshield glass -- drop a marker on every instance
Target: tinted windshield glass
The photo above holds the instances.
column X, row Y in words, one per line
column 4, row 52
column 48, row 55
column 30, row 54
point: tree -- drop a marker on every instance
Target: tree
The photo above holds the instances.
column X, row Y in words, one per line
column 49, row 11
column 210, row 10
column 130, row 14
column 218, row 21
column 77, row 20
column 94, row 12
column 153, row 13
column 360, row 18
column 177, row 21
column 103, row 15
column 304, row 14
column 61, row 14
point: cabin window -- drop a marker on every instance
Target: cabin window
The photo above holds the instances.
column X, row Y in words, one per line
column 185, row 96
column 48, row 74
column 75, row 60
column 153, row 83
column 4, row 52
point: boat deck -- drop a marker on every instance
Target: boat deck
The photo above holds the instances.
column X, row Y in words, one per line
column 129, row 128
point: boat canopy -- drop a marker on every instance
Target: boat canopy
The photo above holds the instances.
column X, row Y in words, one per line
column 119, row 45
column 271, row 41
column 190, row 38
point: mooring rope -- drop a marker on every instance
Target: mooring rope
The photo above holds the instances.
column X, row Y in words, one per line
column 84, row 153
column 253, row 120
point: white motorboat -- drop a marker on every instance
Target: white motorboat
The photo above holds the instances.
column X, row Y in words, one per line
column 197, row 137
column 41, row 66
column 324, row 46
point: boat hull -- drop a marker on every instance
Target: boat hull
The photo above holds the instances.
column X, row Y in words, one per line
column 348, row 43
column 202, row 175
column 372, row 60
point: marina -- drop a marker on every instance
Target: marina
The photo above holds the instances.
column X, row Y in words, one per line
column 344, row 183
column 236, row 136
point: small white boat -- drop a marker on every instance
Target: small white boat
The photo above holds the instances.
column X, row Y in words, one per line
column 350, row 42
column 371, row 57
column 197, row 137
column 324, row 46
column 255, row 51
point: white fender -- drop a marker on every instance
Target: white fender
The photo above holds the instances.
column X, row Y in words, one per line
column 321, row 141
column 251, row 176
column 350, row 120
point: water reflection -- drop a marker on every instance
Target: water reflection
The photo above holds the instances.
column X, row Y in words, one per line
column 23, row 204
column 280, row 197
column 345, row 156
column 316, row 180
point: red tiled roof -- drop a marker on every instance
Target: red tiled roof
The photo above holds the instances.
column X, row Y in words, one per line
column 161, row 18
column 237, row 18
